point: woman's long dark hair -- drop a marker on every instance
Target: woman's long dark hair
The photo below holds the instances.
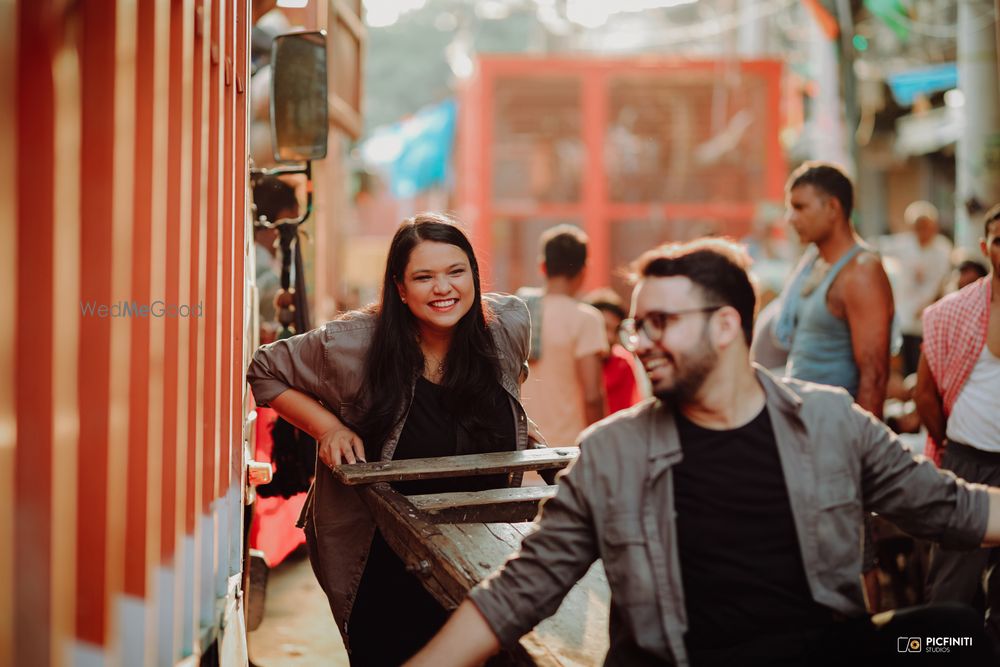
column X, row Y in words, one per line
column 395, row 359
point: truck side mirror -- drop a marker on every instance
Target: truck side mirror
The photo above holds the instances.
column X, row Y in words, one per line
column 299, row 116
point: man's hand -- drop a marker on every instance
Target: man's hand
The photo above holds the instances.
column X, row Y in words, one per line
column 340, row 445
column 465, row 640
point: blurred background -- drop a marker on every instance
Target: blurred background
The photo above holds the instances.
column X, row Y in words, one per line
column 131, row 447
column 643, row 121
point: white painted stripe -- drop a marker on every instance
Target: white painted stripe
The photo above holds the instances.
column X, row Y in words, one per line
column 220, row 510
column 235, row 501
column 133, row 633
column 233, row 643
column 206, row 560
column 85, row 654
column 168, row 632
column 191, row 583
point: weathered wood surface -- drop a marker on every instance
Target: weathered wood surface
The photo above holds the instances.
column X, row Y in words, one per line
column 420, row 544
column 509, row 505
column 452, row 558
column 577, row 634
column 456, row 466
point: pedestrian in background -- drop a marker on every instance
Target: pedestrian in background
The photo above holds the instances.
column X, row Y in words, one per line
column 564, row 392
column 958, row 397
column 621, row 386
column 924, row 258
column 837, row 308
column 968, row 272
column 273, row 200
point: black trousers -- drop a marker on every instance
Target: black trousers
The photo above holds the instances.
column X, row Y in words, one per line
column 911, row 353
column 959, row 576
column 393, row 615
column 912, row 636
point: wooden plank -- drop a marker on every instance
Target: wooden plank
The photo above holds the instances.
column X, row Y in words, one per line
column 451, row 558
column 484, row 547
column 493, row 505
column 433, row 502
column 456, row 466
column 420, row 545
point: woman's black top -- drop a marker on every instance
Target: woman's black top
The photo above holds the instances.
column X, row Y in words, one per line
column 393, row 615
column 432, row 430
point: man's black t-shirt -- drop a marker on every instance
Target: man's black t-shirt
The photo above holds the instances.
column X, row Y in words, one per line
column 740, row 559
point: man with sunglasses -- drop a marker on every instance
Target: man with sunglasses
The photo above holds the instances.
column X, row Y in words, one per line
column 728, row 510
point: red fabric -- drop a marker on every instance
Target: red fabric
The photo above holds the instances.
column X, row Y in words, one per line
column 955, row 331
column 273, row 528
column 619, row 380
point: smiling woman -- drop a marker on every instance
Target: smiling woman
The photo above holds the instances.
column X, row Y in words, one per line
column 439, row 289
column 432, row 369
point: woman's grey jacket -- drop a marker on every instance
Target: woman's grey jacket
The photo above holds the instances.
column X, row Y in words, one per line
column 328, row 364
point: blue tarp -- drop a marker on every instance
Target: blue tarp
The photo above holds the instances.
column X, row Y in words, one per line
column 417, row 151
column 907, row 85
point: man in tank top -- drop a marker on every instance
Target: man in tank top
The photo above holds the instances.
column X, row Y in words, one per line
column 837, row 310
column 958, row 398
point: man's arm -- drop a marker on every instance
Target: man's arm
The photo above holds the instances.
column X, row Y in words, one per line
column 911, row 492
column 532, row 584
column 928, row 401
column 590, row 370
column 868, row 309
column 465, row 640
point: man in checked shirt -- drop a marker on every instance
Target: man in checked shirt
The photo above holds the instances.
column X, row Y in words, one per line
column 958, row 398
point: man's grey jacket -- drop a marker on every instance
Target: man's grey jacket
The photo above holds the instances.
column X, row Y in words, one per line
column 617, row 503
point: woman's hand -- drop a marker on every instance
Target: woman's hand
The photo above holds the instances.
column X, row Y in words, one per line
column 535, row 435
column 340, row 445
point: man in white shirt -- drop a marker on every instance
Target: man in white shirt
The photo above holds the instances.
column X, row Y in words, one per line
column 924, row 257
column 958, row 398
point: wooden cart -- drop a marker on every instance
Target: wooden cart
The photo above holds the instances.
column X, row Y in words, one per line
column 454, row 540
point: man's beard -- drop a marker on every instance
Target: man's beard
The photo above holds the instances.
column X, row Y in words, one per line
column 691, row 369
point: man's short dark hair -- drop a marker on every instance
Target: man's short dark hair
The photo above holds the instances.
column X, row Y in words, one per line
column 564, row 251
column 271, row 196
column 974, row 266
column 827, row 178
column 992, row 215
column 718, row 266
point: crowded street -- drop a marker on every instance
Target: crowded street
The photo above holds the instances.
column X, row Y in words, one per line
column 552, row 333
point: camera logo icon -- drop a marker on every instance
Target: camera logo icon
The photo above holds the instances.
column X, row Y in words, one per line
column 909, row 645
